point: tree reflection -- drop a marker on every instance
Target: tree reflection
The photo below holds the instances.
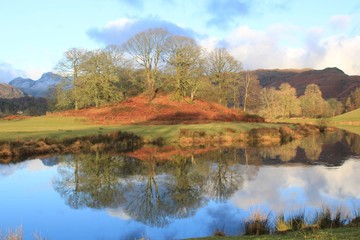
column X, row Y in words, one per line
column 224, row 178
column 68, row 186
column 154, row 192
column 285, row 152
column 353, row 140
column 185, row 189
column 147, row 201
column 312, row 146
column 91, row 180
column 149, row 192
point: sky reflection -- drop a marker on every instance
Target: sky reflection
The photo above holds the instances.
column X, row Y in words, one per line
column 188, row 199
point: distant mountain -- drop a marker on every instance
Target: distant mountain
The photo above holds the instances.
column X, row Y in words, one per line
column 38, row 88
column 333, row 82
column 10, row 92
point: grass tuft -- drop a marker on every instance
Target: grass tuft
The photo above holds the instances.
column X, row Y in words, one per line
column 16, row 234
column 258, row 224
column 326, row 218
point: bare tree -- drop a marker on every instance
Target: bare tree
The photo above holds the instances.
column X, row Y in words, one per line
column 220, row 64
column 249, row 89
column 269, row 99
column 185, row 58
column 147, row 49
column 70, row 68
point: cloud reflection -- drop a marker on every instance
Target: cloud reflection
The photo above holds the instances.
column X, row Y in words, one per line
column 287, row 188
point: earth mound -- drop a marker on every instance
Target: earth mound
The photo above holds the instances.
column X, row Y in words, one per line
column 162, row 110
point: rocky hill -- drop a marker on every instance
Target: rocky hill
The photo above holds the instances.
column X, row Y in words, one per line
column 9, row 92
column 333, row 82
column 37, row 88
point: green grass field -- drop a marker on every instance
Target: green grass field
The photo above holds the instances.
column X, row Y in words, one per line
column 353, row 116
column 349, row 121
column 69, row 127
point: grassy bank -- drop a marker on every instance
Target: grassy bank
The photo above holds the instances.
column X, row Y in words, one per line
column 325, row 234
column 70, row 127
column 325, row 223
column 349, row 121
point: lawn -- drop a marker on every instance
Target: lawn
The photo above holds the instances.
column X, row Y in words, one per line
column 69, row 127
column 349, row 121
column 353, row 116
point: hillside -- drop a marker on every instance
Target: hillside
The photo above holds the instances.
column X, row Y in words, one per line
column 161, row 110
column 10, row 92
column 333, row 82
column 353, row 117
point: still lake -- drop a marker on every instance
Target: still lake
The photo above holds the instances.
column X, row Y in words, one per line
column 196, row 191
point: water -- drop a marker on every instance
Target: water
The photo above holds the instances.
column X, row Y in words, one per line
column 191, row 194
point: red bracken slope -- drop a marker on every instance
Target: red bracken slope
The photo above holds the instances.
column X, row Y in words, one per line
column 161, row 110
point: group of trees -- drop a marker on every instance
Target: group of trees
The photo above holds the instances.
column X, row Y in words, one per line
column 284, row 103
column 353, row 101
column 91, row 78
column 25, row 105
column 151, row 61
column 156, row 61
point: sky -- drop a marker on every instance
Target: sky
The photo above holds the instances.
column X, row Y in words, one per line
column 265, row 34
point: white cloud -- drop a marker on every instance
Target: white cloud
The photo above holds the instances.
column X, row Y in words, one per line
column 8, row 72
column 120, row 30
column 340, row 22
column 119, row 213
column 262, row 49
column 342, row 52
column 119, row 23
column 36, row 165
column 282, row 46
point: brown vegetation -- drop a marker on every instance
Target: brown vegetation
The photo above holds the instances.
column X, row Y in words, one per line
column 20, row 149
column 151, row 153
column 333, row 82
column 122, row 141
column 15, row 117
column 162, row 110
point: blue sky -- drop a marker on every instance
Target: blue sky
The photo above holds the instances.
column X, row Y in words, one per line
column 260, row 33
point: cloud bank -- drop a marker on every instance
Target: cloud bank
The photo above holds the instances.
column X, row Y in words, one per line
column 278, row 45
column 295, row 188
column 8, row 72
column 286, row 46
column 120, row 30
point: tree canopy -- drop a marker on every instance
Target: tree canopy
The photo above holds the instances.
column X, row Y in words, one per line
column 155, row 61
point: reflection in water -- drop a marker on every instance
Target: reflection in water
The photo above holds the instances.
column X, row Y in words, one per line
column 92, row 180
column 154, row 192
column 214, row 186
column 224, row 176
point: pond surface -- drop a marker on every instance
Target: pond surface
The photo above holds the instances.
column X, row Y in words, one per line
column 192, row 193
